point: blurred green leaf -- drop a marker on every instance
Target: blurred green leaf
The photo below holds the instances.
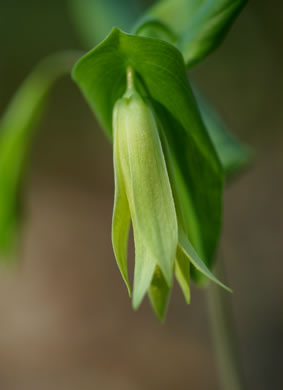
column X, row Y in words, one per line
column 95, row 18
column 161, row 71
column 16, row 133
column 233, row 155
column 200, row 24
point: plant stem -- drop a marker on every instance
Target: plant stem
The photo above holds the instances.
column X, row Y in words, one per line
column 130, row 78
column 229, row 367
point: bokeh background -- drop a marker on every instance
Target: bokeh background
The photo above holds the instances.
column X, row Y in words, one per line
column 65, row 319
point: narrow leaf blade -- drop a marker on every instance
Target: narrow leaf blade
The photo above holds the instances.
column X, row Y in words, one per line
column 16, row 134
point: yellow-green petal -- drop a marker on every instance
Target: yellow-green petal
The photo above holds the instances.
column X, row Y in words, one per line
column 182, row 273
column 159, row 294
column 121, row 218
column 144, row 269
column 189, row 251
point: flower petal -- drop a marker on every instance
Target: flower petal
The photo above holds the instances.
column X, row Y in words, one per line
column 182, row 273
column 159, row 294
column 144, row 269
column 121, row 218
column 192, row 255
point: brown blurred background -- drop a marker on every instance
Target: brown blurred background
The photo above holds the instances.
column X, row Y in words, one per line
column 65, row 319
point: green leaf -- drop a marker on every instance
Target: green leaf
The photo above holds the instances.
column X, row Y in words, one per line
column 146, row 180
column 188, row 250
column 160, row 68
column 16, row 134
column 200, row 24
column 159, row 294
column 233, row 155
column 182, row 272
column 199, row 188
column 95, row 18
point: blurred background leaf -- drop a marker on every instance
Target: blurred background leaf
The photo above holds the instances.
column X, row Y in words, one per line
column 95, row 19
column 233, row 155
column 200, row 24
column 16, row 135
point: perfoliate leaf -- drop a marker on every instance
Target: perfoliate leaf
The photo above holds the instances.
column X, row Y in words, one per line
column 146, row 181
column 159, row 294
column 233, row 155
column 200, row 24
column 188, row 250
column 182, row 272
column 161, row 72
column 16, row 132
column 199, row 189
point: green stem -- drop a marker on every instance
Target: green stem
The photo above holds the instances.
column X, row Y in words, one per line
column 130, row 78
column 228, row 362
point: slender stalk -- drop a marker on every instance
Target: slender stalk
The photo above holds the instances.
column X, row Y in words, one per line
column 230, row 371
column 130, row 78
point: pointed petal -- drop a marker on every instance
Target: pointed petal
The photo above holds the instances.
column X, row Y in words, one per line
column 144, row 269
column 121, row 219
column 146, row 179
column 159, row 294
column 192, row 255
column 182, row 273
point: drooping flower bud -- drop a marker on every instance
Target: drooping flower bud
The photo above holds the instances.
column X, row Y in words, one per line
column 142, row 194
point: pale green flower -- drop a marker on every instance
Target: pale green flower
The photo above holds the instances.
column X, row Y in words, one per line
column 144, row 196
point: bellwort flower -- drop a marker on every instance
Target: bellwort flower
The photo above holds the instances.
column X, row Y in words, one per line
column 144, row 195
